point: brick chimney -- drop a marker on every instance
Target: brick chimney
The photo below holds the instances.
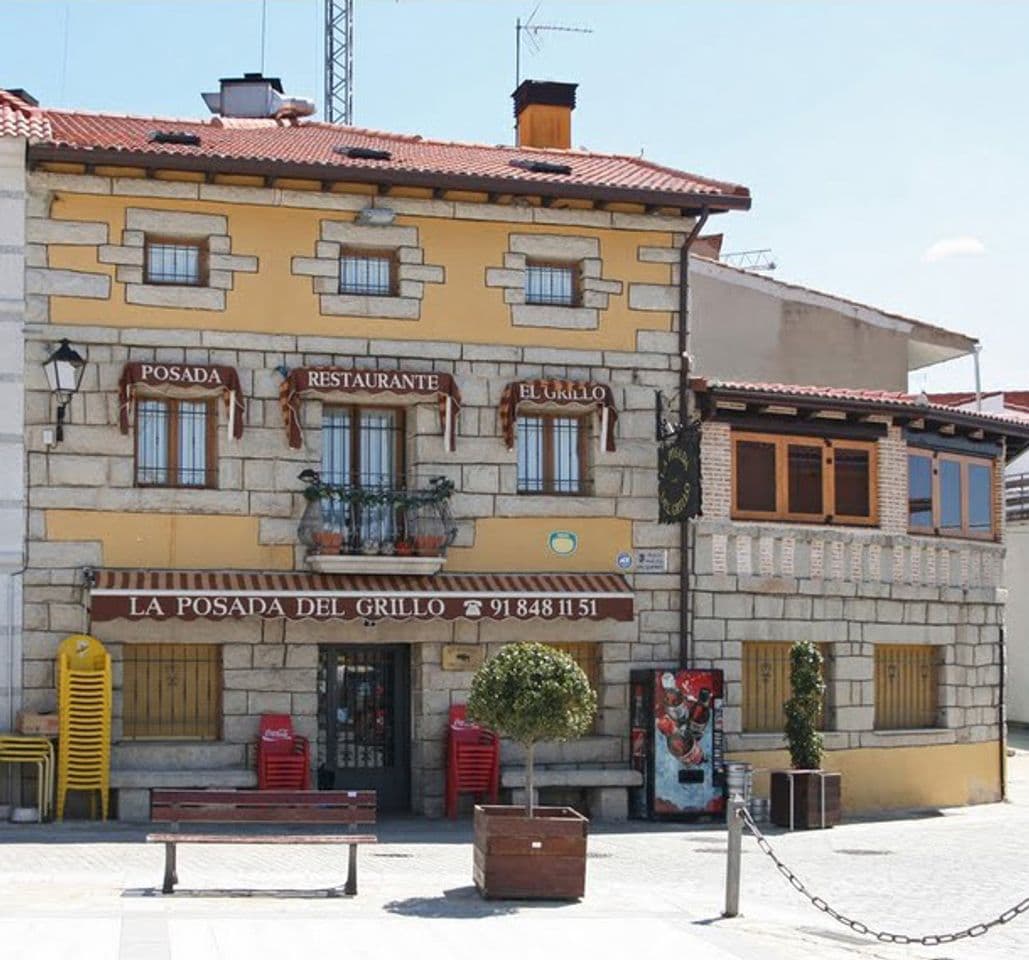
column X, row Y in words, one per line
column 544, row 113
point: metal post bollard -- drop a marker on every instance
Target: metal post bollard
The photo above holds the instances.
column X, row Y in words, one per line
column 732, row 867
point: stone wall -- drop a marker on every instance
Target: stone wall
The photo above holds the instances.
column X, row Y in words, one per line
column 12, row 402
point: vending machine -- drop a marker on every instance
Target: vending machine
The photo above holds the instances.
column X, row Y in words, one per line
column 677, row 743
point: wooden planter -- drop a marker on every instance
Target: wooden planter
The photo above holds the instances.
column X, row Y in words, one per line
column 520, row 858
column 807, row 799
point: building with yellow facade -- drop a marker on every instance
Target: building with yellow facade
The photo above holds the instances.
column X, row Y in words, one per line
column 358, row 408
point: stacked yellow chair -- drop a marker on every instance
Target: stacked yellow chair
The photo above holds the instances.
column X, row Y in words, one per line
column 18, row 748
column 84, row 720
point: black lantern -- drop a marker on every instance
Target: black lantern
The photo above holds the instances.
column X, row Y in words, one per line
column 64, row 368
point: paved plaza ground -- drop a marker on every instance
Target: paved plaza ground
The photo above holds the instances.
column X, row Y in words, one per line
column 86, row 892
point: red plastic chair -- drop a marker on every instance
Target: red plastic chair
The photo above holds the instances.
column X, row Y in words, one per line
column 473, row 761
column 283, row 757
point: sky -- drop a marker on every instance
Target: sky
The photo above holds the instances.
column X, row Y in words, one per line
column 886, row 144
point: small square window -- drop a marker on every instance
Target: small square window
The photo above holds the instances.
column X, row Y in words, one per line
column 551, row 284
column 175, row 443
column 551, row 454
column 367, row 274
column 176, row 261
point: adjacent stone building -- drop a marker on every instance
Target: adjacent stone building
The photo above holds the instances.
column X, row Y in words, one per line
column 259, row 299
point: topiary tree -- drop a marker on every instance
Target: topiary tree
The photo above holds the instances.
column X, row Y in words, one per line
column 531, row 692
column 804, row 707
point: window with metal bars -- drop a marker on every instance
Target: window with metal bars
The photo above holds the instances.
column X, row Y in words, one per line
column 906, row 679
column 766, row 686
column 171, row 691
column 176, row 261
column 551, row 454
column 176, row 442
column 367, row 273
column 587, row 655
column 363, row 449
column 552, row 284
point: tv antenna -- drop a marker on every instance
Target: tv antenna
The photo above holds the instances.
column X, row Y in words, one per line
column 532, row 31
column 339, row 61
column 750, row 259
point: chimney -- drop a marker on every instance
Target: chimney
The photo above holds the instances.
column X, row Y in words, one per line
column 543, row 111
column 255, row 96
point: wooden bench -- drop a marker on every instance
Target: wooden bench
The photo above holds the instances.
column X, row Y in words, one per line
column 351, row 807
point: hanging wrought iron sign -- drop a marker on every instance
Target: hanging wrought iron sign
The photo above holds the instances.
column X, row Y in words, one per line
column 678, row 471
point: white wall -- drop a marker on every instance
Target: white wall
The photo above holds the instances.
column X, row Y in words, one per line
column 1017, row 618
column 12, row 419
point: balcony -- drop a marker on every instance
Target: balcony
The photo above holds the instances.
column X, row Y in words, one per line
column 376, row 529
column 1016, row 497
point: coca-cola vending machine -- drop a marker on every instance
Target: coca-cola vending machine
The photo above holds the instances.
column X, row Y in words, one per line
column 676, row 742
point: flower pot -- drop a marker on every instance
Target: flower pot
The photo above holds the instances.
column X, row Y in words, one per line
column 404, row 548
column 808, row 795
column 530, row 858
column 428, row 546
column 326, row 542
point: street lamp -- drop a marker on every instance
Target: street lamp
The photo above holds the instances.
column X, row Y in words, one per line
column 64, row 368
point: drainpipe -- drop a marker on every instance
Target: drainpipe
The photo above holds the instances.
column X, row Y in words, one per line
column 1002, row 732
column 685, row 413
column 976, row 350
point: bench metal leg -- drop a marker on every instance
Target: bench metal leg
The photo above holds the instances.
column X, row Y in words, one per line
column 171, row 877
column 351, row 888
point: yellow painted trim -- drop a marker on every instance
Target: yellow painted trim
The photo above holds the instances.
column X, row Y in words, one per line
column 461, row 310
column 520, row 544
column 163, row 540
column 894, row 778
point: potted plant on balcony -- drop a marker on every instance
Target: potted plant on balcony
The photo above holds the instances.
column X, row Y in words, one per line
column 430, row 513
column 530, row 692
column 317, row 529
column 806, row 796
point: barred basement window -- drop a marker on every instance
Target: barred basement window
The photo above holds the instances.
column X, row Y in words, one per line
column 551, row 284
column 906, row 677
column 766, row 686
column 367, row 273
column 171, row 691
column 176, row 443
column 551, row 454
column 175, row 260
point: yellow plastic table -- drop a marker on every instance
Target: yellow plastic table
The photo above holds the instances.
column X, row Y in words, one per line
column 22, row 748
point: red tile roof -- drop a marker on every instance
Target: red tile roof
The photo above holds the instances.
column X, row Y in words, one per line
column 1016, row 402
column 886, row 399
column 279, row 147
column 18, row 119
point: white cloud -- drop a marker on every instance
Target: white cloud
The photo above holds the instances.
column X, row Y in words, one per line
column 954, row 247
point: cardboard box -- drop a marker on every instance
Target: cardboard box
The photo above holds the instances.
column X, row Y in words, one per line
column 36, row 724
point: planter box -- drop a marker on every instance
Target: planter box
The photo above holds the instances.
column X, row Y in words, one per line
column 807, row 798
column 521, row 858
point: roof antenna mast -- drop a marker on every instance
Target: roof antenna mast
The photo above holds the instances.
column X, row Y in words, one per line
column 532, row 33
column 339, row 61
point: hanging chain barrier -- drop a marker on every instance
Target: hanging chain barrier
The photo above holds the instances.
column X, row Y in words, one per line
column 883, row 936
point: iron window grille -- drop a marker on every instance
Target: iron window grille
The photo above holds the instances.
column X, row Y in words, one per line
column 175, row 261
column 176, row 443
column 551, row 454
column 551, row 284
column 369, row 274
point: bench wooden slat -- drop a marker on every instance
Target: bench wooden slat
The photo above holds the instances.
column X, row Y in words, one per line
column 268, row 798
column 277, row 838
column 230, row 814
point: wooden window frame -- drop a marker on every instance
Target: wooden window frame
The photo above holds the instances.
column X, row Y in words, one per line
column 141, row 717
column 826, row 716
column 369, row 253
column 965, row 460
column 400, row 449
column 548, row 475
column 203, row 262
column 782, row 443
column 172, row 453
column 932, row 655
column 573, row 266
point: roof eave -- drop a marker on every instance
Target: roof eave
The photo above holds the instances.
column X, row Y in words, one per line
column 690, row 204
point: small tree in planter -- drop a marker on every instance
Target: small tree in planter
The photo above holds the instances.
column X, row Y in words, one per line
column 530, row 692
column 815, row 794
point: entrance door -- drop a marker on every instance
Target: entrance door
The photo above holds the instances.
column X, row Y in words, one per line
column 365, row 693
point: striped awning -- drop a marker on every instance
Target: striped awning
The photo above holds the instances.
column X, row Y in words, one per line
column 225, row 594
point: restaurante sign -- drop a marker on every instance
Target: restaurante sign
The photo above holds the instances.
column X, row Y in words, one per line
column 403, row 383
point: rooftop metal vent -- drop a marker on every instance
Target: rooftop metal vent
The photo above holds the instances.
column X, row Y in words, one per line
column 541, row 166
column 364, row 153
column 256, row 96
column 179, row 137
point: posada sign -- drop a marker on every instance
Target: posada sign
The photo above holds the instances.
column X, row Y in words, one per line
column 227, row 606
